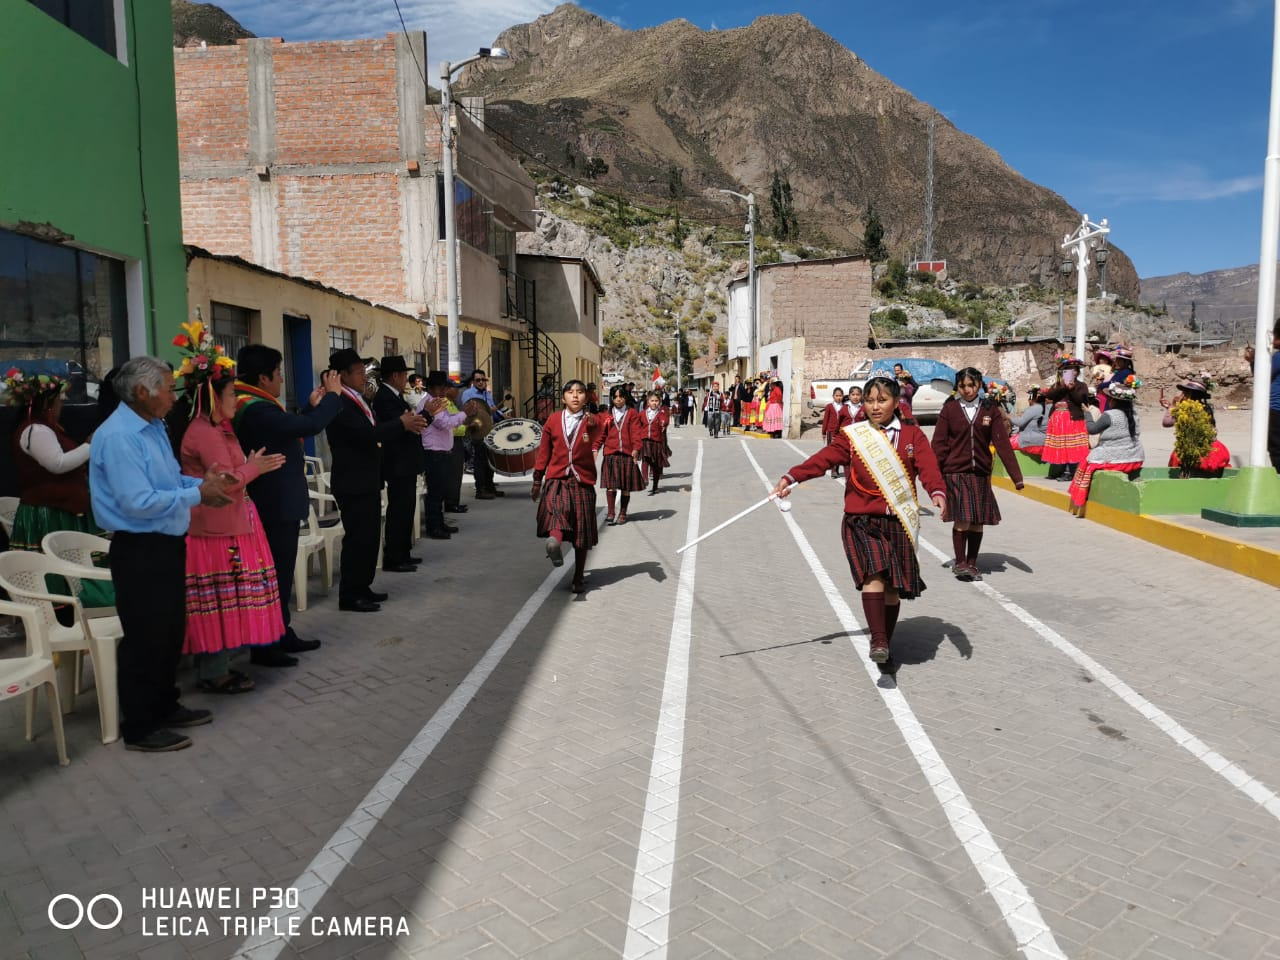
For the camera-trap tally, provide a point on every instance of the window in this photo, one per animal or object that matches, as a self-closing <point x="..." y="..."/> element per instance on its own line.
<point x="420" y="363"/>
<point x="503" y="246"/>
<point x="60" y="306"/>
<point x="390" y="346"/>
<point x="340" y="338"/>
<point x="473" y="214"/>
<point x="230" y="328"/>
<point x="467" y="351"/>
<point x="95" y="20"/>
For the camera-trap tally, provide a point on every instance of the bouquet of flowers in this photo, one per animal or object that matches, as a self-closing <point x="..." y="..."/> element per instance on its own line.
<point x="997" y="392"/>
<point x="202" y="359"/>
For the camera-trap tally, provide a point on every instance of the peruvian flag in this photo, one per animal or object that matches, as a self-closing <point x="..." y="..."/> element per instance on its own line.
<point x="657" y="375"/>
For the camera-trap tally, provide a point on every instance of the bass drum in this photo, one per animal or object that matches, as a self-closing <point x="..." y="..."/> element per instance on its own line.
<point x="513" y="446"/>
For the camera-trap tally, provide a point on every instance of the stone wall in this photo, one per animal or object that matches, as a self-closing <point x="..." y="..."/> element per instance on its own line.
<point x="827" y="302"/>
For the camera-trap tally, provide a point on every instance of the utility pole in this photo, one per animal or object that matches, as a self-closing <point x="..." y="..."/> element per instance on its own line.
<point x="928" y="199"/>
<point x="1077" y="245"/>
<point x="751" y="274"/>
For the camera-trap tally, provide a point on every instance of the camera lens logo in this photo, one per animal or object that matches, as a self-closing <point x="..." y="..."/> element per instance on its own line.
<point x="89" y="911"/>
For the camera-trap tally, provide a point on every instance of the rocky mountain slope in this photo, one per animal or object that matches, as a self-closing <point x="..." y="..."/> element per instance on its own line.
<point x="194" y="23"/>
<point x="676" y="112"/>
<point x="1225" y="301"/>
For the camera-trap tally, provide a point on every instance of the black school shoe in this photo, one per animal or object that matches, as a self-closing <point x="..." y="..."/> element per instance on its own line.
<point x="360" y="605"/>
<point x="186" y="717"/>
<point x="296" y="645"/>
<point x="375" y="596"/>
<point x="274" y="656"/>
<point x="456" y="508"/>
<point x="159" y="741"/>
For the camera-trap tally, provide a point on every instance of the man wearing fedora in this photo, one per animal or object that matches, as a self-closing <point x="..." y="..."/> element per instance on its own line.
<point x="357" y="440"/>
<point x="402" y="462"/>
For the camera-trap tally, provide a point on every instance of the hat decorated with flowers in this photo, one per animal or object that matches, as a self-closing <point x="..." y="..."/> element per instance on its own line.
<point x="1202" y="383"/>
<point x="1068" y="361"/>
<point x="202" y="359"/>
<point x="997" y="391"/>
<point x="1126" y="389"/>
<point x="25" y="390"/>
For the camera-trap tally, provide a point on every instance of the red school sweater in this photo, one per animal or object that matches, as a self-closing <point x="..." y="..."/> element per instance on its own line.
<point x="861" y="493"/>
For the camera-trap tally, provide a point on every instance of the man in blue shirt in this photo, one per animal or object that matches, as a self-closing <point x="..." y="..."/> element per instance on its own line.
<point x="1273" y="421"/>
<point x="139" y="491"/>
<point x="482" y="469"/>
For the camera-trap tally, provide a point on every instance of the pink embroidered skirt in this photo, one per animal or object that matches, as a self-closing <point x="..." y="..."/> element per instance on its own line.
<point x="233" y="598"/>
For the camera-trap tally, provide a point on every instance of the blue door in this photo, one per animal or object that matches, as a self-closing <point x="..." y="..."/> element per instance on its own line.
<point x="299" y="371"/>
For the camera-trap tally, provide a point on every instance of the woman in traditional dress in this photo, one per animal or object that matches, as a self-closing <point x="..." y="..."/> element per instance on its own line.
<point x="1119" y="443"/>
<point x="1066" y="442"/>
<point x="1031" y="426"/>
<point x="233" y="597"/>
<point x="1198" y="391"/>
<point x="53" y="475"/>
<point x="773" y="411"/>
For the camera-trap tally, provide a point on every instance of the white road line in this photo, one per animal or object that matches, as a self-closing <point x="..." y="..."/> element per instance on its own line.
<point x="1232" y="773"/>
<point x="1017" y="908"/>
<point x="345" y="844"/>
<point x="649" y="919"/>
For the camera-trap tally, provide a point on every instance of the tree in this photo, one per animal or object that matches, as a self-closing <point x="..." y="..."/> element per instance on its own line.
<point x="679" y="232"/>
<point x="1195" y="326"/>
<point x="595" y="167"/>
<point x="873" y="235"/>
<point x="782" y="207"/>
<point x="570" y="159"/>
<point x="675" y="182"/>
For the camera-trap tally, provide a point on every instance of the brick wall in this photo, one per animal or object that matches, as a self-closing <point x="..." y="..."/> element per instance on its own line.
<point x="215" y="215"/>
<point x="827" y="302"/>
<point x="213" y="107"/>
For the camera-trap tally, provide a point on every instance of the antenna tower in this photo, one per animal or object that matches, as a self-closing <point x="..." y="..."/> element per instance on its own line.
<point x="928" y="200"/>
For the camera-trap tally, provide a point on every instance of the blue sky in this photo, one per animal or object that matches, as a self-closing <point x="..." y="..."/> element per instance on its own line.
<point x="1152" y="113"/>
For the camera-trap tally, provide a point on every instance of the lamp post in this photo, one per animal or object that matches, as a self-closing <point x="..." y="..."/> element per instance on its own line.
<point x="1077" y="245"/>
<point x="447" y="70"/>
<point x="750" y="198"/>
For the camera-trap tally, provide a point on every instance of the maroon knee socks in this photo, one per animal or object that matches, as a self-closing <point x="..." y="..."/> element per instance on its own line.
<point x="975" y="543"/>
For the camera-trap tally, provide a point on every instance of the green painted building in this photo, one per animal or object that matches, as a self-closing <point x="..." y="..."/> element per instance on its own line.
<point x="92" y="267"/>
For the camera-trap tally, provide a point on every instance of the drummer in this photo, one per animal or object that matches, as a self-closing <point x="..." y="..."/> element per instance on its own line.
<point x="482" y="470"/>
<point x="437" y="446"/>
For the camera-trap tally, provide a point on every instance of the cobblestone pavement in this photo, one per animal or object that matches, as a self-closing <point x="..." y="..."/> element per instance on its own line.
<point x="476" y="764"/>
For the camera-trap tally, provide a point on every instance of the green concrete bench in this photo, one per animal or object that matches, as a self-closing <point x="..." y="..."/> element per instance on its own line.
<point x="1030" y="466"/>
<point x="1159" y="491"/>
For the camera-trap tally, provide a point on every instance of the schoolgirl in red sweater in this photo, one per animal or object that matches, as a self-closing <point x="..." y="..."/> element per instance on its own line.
<point x="620" y="468"/>
<point x="834" y="417"/>
<point x="564" y="480"/>
<point x="968" y="425"/>
<point x="654" y="452"/>
<point x="885" y="458"/>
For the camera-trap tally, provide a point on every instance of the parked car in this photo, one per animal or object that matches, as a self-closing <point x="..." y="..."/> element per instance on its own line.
<point x="612" y="378"/>
<point x="934" y="383"/>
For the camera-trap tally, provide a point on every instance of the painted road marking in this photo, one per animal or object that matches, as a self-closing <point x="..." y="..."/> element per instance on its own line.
<point x="648" y="921"/>
<point x="1235" y="775"/>
<point x="340" y="849"/>
<point x="1016" y="905"/>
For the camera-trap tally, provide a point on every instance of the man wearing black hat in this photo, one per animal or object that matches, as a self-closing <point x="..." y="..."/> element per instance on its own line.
<point x="402" y="462"/>
<point x="438" y="453"/>
<point x="357" y="440"/>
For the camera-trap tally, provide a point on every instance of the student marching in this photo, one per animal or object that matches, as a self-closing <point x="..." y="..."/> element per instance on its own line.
<point x="620" y="468"/>
<point x="654" y="451"/>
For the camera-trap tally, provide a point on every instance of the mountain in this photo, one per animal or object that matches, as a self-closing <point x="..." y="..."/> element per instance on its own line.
<point x="1225" y="301"/>
<point x="677" y="112"/>
<point x="194" y="23"/>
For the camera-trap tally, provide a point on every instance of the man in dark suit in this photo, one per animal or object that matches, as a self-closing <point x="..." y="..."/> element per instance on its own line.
<point x="356" y="440"/>
<point x="282" y="496"/>
<point x="402" y="463"/>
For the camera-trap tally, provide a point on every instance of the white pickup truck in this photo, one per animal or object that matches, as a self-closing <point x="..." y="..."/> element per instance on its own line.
<point x="934" y="383"/>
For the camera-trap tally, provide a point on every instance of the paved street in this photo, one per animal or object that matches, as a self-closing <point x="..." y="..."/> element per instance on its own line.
<point x="693" y="759"/>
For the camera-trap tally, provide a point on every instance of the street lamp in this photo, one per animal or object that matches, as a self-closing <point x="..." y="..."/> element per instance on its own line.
<point x="751" y="273"/>
<point x="447" y="70"/>
<point x="676" y="338"/>
<point x="1077" y="245"/>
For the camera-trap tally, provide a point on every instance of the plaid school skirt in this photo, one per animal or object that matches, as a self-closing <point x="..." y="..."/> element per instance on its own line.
<point x="570" y="506"/>
<point x="970" y="499"/>
<point x="654" y="452"/>
<point x="1065" y="440"/>
<point x="876" y="544"/>
<point x="619" y="472"/>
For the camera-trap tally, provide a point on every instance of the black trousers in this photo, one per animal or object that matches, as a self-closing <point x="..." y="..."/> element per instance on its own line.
<point x="149" y="571"/>
<point x="1273" y="438"/>
<point x="282" y="537"/>
<point x="362" y="526"/>
<point x="457" y="467"/>
<point x="400" y="507"/>
<point x="439" y="472"/>
<point x="481" y="468"/>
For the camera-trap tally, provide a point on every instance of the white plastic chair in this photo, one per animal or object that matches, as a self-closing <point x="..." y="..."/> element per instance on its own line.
<point x="75" y="550"/>
<point x="419" y="491"/>
<point x="309" y="545"/>
<point x="331" y="534"/>
<point x="22" y="576"/>
<point x="8" y="511"/>
<point x="26" y="675"/>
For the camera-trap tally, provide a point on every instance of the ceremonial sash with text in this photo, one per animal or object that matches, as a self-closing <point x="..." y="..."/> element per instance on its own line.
<point x="872" y="446"/>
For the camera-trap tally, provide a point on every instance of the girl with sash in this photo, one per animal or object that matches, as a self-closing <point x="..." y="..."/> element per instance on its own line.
<point x="885" y="458"/>
<point x="564" y="480"/>
<point x="967" y="428"/>
<point x="654" y="452"/>
<point x="620" y="468"/>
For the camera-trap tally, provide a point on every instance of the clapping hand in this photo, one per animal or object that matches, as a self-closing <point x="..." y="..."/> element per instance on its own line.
<point x="436" y="405"/>
<point x="412" y="422"/>
<point x="266" y="462"/>
<point x="213" y="491"/>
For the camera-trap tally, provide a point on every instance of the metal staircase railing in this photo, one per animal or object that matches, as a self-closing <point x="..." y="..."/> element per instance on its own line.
<point x="534" y="343"/>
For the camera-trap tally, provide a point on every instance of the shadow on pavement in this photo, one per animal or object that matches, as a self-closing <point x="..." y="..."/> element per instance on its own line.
<point x="917" y="639"/>
<point x="603" y="576"/>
